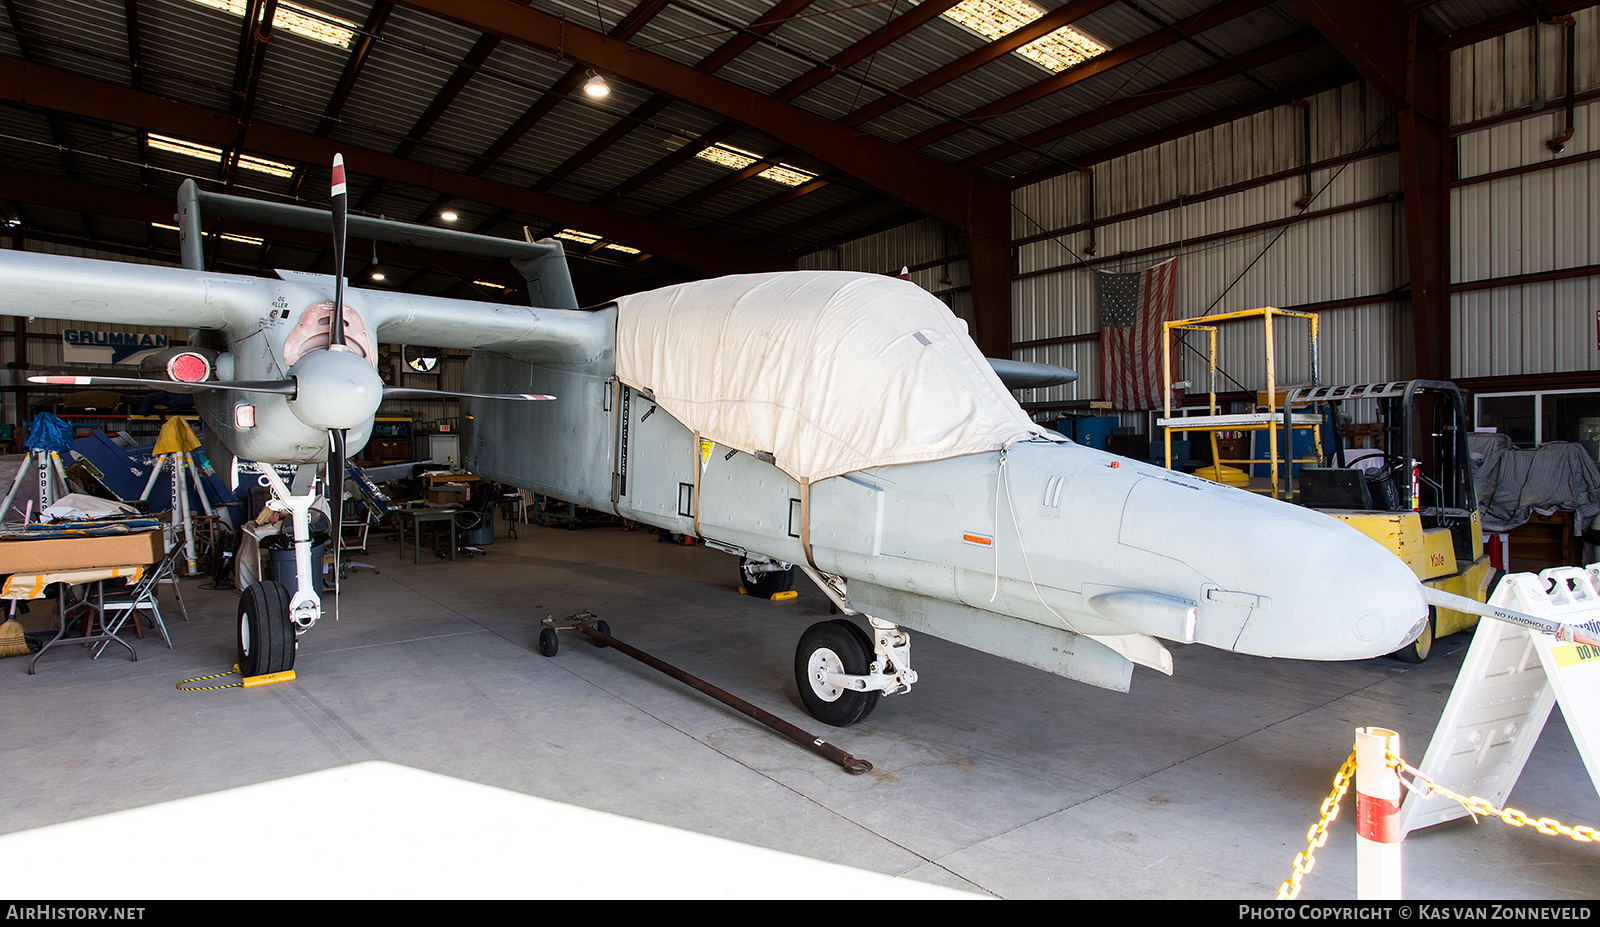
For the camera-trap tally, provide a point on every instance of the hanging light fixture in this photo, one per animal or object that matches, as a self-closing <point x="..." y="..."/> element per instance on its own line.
<point x="595" y="86"/>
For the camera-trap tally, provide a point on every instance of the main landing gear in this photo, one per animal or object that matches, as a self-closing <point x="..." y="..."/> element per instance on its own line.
<point x="843" y="673"/>
<point x="266" y="635"/>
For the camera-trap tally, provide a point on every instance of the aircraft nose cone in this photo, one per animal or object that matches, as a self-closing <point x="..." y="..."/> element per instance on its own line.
<point x="335" y="390"/>
<point x="1277" y="579"/>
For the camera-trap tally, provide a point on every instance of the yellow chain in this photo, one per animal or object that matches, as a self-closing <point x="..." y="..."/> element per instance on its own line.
<point x="1317" y="836"/>
<point x="1475" y="806"/>
<point x="183" y="687"/>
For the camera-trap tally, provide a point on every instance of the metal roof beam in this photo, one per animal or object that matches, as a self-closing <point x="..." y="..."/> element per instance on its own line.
<point x="940" y="190"/>
<point x="1194" y="80"/>
<point x="1387" y="46"/>
<point x="365" y="39"/>
<point x="1148" y="44"/>
<point x="1409" y="65"/>
<point x="57" y="193"/>
<point x="891" y="32"/>
<point x="33" y="85"/>
<point x="898" y="27"/>
<point x="447" y="94"/>
<point x="1055" y="19"/>
<point x="1199" y="124"/>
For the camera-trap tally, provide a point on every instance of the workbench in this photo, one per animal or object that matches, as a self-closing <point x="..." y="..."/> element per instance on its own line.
<point x="420" y="517"/>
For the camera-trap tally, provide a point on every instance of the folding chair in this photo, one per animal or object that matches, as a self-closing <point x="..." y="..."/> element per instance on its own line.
<point x="358" y="520"/>
<point x="140" y="597"/>
<point x="168" y="569"/>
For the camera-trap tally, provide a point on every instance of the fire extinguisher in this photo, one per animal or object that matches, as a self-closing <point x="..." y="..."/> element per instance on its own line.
<point x="1416" y="485"/>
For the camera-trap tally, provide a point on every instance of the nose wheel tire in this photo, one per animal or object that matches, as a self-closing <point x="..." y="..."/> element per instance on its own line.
<point x="841" y="647"/>
<point x="266" y="635"/>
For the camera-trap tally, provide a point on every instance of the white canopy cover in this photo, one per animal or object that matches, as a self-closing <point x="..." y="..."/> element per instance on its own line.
<point x="829" y="371"/>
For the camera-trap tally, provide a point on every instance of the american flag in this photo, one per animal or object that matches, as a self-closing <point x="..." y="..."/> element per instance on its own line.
<point x="1132" y="308"/>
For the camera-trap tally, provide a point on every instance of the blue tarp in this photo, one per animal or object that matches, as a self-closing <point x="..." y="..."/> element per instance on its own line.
<point x="49" y="433"/>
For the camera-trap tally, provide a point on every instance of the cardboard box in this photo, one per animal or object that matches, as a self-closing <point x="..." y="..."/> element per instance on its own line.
<point x="43" y="555"/>
<point x="447" y="494"/>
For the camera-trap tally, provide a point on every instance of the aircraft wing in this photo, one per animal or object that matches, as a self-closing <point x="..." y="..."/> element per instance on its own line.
<point x="75" y="289"/>
<point x="1017" y="374"/>
<point x="59" y="287"/>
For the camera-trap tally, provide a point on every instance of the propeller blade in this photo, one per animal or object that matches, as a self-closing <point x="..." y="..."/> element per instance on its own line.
<point x="280" y="387"/>
<point x="401" y="392"/>
<point x="336" y="464"/>
<point x="340" y="198"/>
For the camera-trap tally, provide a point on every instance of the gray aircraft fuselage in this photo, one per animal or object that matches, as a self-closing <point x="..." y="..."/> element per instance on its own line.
<point x="1085" y="547"/>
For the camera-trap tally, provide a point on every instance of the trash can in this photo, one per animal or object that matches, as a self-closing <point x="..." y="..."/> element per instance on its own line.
<point x="283" y="569"/>
<point x="484" y="532"/>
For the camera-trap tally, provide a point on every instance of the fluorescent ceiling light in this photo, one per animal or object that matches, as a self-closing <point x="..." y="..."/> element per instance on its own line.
<point x="226" y="236"/>
<point x="738" y="159"/>
<point x="582" y="238"/>
<point x="300" y="20"/>
<point x="995" y="19"/>
<point x="623" y="248"/>
<point x="214" y="155"/>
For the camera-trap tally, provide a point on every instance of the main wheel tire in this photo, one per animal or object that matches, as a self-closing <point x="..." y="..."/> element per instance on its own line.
<point x="1418" y="650"/>
<point x="764" y="583"/>
<point x="836" y="646"/>
<point x="266" y="635"/>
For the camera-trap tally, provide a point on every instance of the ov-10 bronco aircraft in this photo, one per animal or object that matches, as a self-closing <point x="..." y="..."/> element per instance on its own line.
<point x="840" y="424"/>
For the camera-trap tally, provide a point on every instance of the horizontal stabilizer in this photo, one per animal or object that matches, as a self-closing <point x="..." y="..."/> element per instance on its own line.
<point x="1017" y="374"/>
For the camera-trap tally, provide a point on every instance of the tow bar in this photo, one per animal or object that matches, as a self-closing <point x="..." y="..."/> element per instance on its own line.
<point x="598" y="632"/>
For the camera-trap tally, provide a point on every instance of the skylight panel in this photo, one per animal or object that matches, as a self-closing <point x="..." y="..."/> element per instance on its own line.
<point x="996" y="19"/>
<point x="738" y="159"/>
<point x="300" y="20"/>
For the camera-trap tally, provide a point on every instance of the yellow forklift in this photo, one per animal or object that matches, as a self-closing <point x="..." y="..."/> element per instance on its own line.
<point x="1414" y="493"/>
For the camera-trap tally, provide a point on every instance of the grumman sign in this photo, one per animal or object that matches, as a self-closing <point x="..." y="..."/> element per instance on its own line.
<point x="90" y="346"/>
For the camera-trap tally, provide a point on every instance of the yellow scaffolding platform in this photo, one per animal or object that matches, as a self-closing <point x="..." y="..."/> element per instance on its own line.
<point x="1271" y="420"/>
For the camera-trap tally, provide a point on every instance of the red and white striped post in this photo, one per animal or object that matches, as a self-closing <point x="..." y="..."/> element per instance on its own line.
<point x="1378" y="794"/>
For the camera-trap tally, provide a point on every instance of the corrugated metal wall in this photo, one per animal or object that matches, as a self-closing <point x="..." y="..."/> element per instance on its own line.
<point x="1522" y="208"/>
<point x="1211" y="199"/>
<point x="922" y="246"/>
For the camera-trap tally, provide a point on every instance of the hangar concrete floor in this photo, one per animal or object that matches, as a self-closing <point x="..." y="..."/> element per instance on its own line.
<point x="989" y="778"/>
